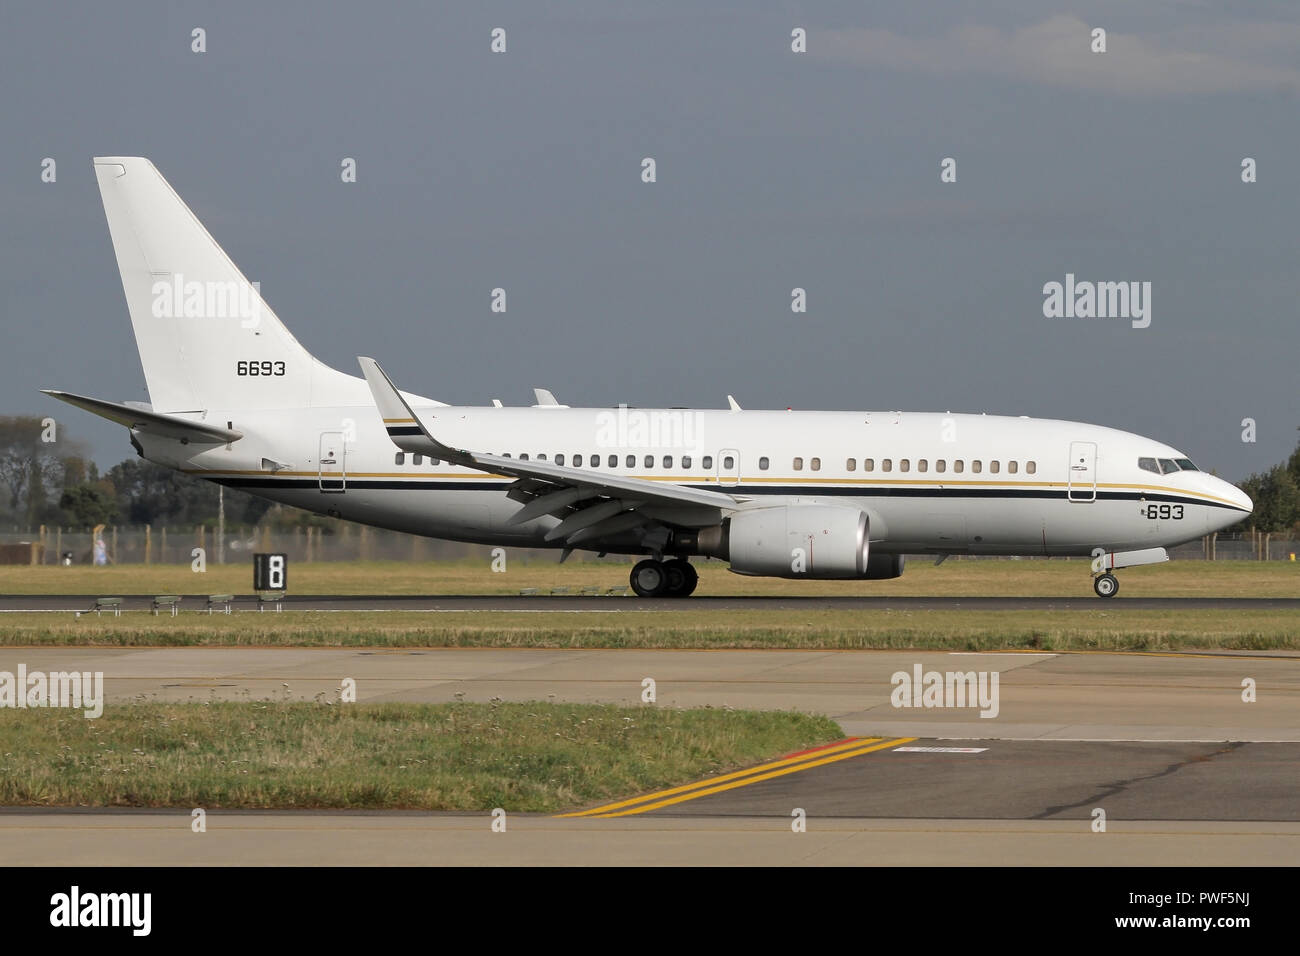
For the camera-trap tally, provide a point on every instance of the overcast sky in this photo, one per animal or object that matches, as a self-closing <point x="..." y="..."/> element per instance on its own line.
<point x="775" y="170"/>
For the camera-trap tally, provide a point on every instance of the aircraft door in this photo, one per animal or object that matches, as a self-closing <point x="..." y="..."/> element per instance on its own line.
<point x="332" y="474"/>
<point x="1082" y="481"/>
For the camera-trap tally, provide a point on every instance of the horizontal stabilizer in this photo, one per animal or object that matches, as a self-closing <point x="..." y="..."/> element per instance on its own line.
<point x="153" y="423"/>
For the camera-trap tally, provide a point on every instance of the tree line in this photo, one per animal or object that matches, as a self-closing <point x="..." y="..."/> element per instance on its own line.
<point x="54" y="483"/>
<point x="1276" y="493"/>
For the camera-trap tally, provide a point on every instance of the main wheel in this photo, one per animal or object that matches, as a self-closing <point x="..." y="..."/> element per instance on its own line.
<point x="692" y="578"/>
<point x="1107" y="585"/>
<point x="649" y="579"/>
<point x="682" y="577"/>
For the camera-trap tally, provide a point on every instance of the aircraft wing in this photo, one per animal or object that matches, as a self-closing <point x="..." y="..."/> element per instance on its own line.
<point x="144" y="420"/>
<point x="590" y="504"/>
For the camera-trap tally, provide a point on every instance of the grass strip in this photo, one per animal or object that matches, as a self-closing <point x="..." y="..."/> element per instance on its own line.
<point x="532" y="757"/>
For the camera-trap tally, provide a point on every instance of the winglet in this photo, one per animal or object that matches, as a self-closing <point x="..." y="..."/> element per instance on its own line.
<point x="403" y="425"/>
<point x="735" y="405"/>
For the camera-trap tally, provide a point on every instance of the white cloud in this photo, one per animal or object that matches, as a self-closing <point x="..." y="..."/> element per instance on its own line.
<point x="1254" y="57"/>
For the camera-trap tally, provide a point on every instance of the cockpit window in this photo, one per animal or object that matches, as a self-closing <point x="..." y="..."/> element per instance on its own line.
<point x="1186" y="464"/>
<point x="1149" y="464"/>
<point x="1167" y="466"/>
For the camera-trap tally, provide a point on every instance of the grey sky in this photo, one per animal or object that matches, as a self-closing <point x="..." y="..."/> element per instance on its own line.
<point x="775" y="170"/>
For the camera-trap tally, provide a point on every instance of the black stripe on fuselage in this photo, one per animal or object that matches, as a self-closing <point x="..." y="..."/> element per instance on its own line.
<point x="823" y="491"/>
<point x="396" y="430"/>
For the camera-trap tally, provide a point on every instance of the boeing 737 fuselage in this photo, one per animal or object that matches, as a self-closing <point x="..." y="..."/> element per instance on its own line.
<point x="796" y="494"/>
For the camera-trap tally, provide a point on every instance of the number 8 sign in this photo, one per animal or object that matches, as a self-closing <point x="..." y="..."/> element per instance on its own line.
<point x="270" y="572"/>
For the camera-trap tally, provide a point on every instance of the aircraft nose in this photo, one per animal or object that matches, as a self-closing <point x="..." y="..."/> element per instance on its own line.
<point x="1239" y="499"/>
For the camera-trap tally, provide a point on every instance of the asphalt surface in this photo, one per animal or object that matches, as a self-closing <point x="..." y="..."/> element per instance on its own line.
<point x="1031" y="780"/>
<point x="165" y="838"/>
<point x="506" y="602"/>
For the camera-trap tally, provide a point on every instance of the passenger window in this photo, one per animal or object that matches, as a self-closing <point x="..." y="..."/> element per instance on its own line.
<point x="868" y="464"/>
<point x="959" y="466"/>
<point x="1031" y="467"/>
<point x="559" y="459"/>
<point x="798" y="464"/>
<point x="577" y="461"/>
<point x="595" y="461"/>
<point x="630" y="461"/>
<point x="816" y="464"/>
<point x="976" y="466"/>
<point x="613" y="461"/>
<point x="1012" y="467"/>
<point x="941" y="465"/>
<point x="435" y="461"/>
<point x="523" y="456"/>
<point x="762" y="463"/>
<point x="887" y="465"/>
<point x="728" y="462"/>
<point x="922" y="465"/>
<point x="686" y="461"/>
<point x="708" y="462"/>
<point x="668" y="461"/>
<point x="649" y="461"/>
<point x="1149" y="464"/>
<point x="541" y="458"/>
<point x="399" y="458"/>
<point x="905" y="464"/>
<point x="994" y="466"/>
<point x="850" y="465"/>
<point x="417" y="460"/>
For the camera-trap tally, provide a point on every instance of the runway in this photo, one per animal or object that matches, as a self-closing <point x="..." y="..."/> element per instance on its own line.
<point x="1061" y="696"/>
<point x="605" y="603"/>
<point x="1185" y="770"/>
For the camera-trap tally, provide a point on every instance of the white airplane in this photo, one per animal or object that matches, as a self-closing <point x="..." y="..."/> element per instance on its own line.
<point x="235" y="399"/>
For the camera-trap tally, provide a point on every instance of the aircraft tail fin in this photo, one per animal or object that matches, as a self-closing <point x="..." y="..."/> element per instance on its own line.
<point x="206" y="337"/>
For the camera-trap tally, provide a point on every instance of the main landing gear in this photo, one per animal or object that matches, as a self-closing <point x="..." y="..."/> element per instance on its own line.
<point x="672" y="578"/>
<point x="1106" y="585"/>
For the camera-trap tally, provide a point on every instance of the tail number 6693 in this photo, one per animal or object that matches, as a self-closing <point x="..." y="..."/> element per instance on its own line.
<point x="259" y="368"/>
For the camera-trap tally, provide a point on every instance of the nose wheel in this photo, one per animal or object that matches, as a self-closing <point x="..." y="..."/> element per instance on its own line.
<point x="1106" y="585"/>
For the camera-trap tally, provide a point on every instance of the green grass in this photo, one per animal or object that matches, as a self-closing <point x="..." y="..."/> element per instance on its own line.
<point x="1108" y="627"/>
<point x="523" y="757"/>
<point x="1055" y="578"/>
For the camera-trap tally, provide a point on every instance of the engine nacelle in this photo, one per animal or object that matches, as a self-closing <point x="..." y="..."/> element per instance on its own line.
<point x="799" y="541"/>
